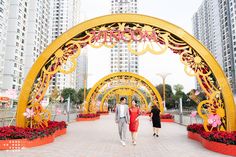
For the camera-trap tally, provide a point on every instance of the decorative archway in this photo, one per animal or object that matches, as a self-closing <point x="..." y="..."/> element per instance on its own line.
<point x="157" y="36"/>
<point x="126" y="90"/>
<point x="121" y="79"/>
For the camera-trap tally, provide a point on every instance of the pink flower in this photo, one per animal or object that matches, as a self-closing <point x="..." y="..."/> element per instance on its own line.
<point x="29" y="113"/>
<point x="193" y="114"/>
<point x="214" y="120"/>
<point x="197" y="92"/>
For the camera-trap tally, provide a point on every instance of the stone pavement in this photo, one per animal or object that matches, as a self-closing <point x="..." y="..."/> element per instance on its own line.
<point x="100" y="139"/>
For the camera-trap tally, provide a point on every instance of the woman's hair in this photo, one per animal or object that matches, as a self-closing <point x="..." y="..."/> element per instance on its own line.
<point x="154" y="107"/>
<point x="135" y="101"/>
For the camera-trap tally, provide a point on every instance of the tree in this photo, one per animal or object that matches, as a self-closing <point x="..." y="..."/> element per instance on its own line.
<point x="179" y="94"/>
<point x="80" y="95"/>
<point x="69" y="92"/>
<point x="170" y="102"/>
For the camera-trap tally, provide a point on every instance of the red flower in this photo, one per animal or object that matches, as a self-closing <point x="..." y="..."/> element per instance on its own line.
<point x="13" y="132"/>
<point x="217" y="136"/>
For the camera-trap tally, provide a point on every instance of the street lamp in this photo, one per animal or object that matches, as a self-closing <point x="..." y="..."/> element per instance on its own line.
<point x="163" y="76"/>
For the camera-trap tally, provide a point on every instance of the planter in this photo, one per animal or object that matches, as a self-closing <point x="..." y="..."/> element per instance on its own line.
<point x="87" y="119"/>
<point x="168" y="120"/>
<point x="60" y="132"/>
<point x="103" y="114"/>
<point x="39" y="141"/>
<point x="214" y="146"/>
<point x="12" y="144"/>
<point x="25" y="143"/>
<point x="194" y="136"/>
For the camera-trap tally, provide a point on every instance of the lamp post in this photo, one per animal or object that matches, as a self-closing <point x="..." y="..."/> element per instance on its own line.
<point x="163" y="76"/>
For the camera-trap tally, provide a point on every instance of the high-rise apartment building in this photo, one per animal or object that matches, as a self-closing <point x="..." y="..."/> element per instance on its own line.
<point x="37" y="33"/>
<point x="214" y="25"/>
<point x="64" y="15"/>
<point x="121" y="59"/>
<point x="82" y="69"/>
<point x="4" y="10"/>
<point x="13" y="72"/>
<point x="227" y="9"/>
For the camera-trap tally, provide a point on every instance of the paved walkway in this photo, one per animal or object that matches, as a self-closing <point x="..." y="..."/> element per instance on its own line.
<point x="100" y="139"/>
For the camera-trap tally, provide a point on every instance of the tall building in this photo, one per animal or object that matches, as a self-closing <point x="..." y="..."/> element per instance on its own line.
<point x="82" y="69"/>
<point x="37" y="33"/>
<point x="228" y="34"/>
<point x="121" y="59"/>
<point x="4" y="10"/>
<point x="15" y="47"/>
<point x="206" y="28"/>
<point x="64" y="15"/>
<point x="214" y="25"/>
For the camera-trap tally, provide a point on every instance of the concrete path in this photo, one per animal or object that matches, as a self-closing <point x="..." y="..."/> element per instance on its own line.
<point x="100" y="139"/>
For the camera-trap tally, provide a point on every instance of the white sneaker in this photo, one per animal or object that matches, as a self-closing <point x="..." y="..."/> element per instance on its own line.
<point x="123" y="143"/>
<point x="134" y="143"/>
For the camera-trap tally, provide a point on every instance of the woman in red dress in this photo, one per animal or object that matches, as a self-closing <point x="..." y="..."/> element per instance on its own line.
<point x="134" y="113"/>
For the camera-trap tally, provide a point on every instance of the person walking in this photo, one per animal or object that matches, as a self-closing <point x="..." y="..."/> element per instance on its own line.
<point x="122" y="118"/>
<point x="155" y="118"/>
<point x="134" y="120"/>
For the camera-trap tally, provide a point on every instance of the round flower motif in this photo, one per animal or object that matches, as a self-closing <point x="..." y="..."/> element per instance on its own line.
<point x="195" y="63"/>
<point x="214" y="120"/>
<point x="221" y="112"/>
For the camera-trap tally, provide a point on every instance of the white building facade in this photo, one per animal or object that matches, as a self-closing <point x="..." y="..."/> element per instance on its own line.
<point x="4" y="11"/>
<point x="121" y="59"/>
<point x="228" y="28"/>
<point x="214" y="25"/>
<point x="37" y="33"/>
<point x="64" y="15"/>
<point x="13" y="73"/>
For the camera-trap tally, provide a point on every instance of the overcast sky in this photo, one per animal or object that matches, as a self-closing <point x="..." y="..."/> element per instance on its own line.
<point x="178" y="12"/>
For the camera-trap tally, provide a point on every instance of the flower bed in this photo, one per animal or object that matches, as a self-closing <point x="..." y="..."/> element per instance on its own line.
<point x="13" y="137"/>
<point x="146" y="113"/>
<point x="167" y="117"/>
<point x="218" y="141"/>
<point x="103" y="112"/>
<point x="88" y="117"/>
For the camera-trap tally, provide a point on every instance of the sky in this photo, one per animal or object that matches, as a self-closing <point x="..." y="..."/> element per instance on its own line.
<point x="177" y="12"/>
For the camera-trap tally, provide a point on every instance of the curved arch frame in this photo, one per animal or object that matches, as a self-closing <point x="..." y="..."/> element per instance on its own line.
<point x="123" y="87"/>
<point x="55" y="46"/>
<point x="98" y="86"/>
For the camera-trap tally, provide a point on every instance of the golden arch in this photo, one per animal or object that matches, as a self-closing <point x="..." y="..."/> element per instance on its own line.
<point x="140" y="94"/>
<point x="128" y="78"/>
<point x="197" y="59"/>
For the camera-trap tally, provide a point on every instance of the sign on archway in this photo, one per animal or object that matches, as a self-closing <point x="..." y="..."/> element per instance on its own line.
<point x="155" y="36"/>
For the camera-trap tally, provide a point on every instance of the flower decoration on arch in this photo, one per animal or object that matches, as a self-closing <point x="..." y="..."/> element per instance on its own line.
<point x="67" y="54"/>
<point x="194" y="64"/>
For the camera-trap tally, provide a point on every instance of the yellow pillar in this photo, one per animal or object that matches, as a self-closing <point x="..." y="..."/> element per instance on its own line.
<point x="129" y="100"/>
<point x="117" y="98"/>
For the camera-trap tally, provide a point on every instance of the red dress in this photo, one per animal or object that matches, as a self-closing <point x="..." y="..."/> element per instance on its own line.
<point x="134" y="112"/>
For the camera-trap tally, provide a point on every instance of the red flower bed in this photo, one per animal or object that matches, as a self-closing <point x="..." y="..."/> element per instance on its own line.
<point x="102" y="112"/>
<point x="167" y="116"/>
<point x="228" y="138"/>
<point x="13" y="132"/>
<point x="89" y="115"/>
